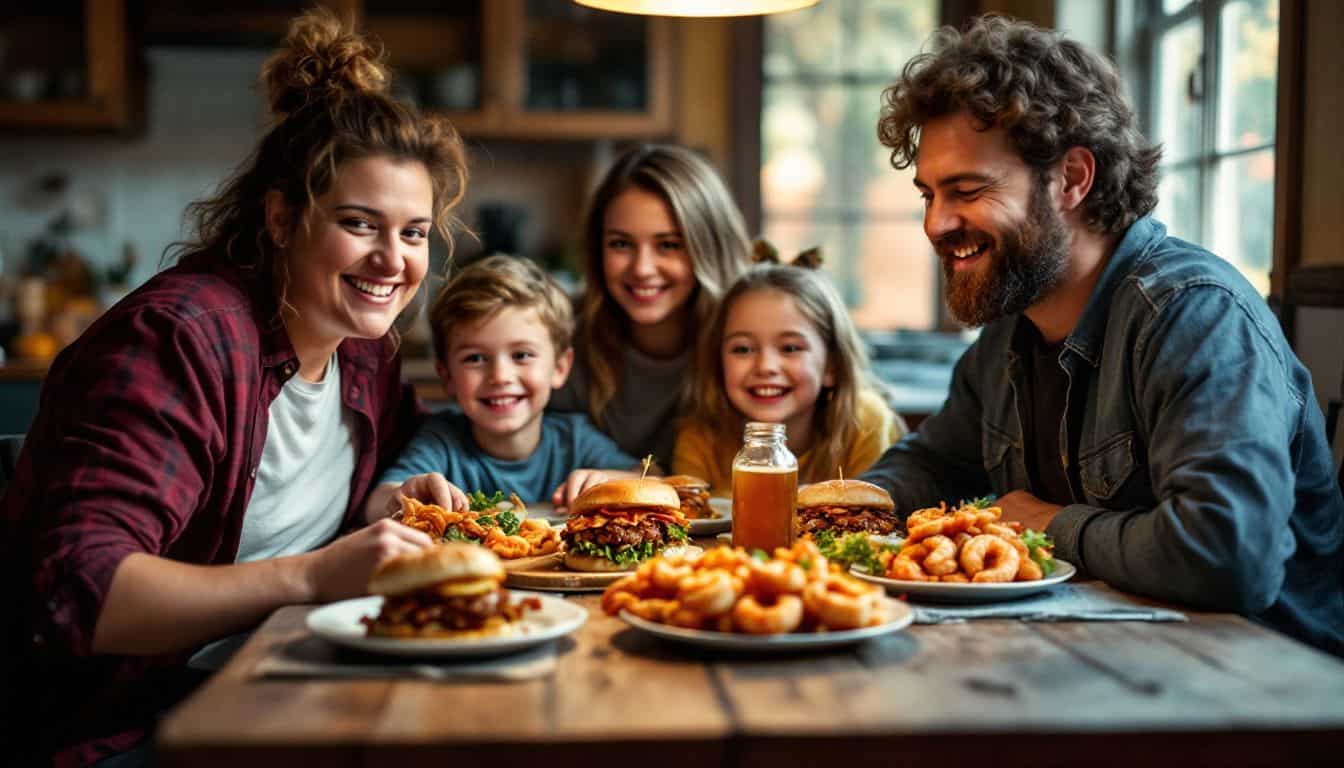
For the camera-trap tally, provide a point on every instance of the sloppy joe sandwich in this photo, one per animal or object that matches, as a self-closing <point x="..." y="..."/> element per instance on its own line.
<point x="694" y="494"/>
<point x="845" y="506"/>
<point x="449" y="590"/>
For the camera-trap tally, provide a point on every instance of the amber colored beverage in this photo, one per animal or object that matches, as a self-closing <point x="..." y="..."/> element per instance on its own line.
<point x="763" y="507"/>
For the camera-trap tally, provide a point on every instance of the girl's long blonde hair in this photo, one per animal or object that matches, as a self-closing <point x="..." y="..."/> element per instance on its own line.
<point x="835" y="420"/>
<point x="716" y="241"/>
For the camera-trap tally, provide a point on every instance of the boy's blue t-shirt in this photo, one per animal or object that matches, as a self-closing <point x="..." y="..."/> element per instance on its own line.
<point x="568" y="442"/>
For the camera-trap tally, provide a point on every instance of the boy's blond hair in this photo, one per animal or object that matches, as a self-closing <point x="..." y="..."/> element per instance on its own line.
<point x="493" y="283"/>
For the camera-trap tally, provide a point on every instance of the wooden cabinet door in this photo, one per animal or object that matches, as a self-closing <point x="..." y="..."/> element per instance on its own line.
<point x="557" y="69"/>
<point x="65" y="65"/>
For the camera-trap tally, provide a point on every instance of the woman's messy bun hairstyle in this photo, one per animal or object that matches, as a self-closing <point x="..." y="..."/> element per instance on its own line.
<point x="328" y="89"/>
<point x="321" y="60"/>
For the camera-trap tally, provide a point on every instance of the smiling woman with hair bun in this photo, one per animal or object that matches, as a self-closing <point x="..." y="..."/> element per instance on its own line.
<point x="200" y="449"/>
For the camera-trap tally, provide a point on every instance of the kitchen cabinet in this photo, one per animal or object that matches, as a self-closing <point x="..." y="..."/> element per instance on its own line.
<point x="530" y="69"/>
<point x="65" y="64"/>
<point x="511" y="69"/>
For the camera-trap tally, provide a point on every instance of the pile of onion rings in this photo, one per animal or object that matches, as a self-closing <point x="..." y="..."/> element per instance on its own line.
<point x="534" y="537"/>
<point x="970" y="544"/>
<point x="728" y="590"/>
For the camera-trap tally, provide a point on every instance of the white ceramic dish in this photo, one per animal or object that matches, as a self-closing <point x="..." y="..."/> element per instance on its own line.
<point x="339" y="623"/>
<point x="949" y="592"/>
<point x="901" y="616"/>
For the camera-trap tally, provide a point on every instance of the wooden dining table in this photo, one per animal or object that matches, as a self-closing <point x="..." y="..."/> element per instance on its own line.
<point x="1216" y="690"/>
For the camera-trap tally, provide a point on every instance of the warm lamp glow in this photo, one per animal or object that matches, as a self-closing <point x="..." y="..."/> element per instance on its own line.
<point x="698" y="7"/>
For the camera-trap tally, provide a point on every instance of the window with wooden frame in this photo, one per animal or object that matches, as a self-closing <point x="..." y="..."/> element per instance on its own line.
<point x="1203" y="74"/>
<point x="824" y="177"/>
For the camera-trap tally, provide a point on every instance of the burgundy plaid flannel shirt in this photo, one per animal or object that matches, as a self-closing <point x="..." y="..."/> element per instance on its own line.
<point x="148" y="437"/>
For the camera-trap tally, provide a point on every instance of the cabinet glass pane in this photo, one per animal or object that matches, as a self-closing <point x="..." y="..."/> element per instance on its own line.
<point x="1243" y="214"/>
<point x="42" y="51"/>
<point x="434" y="49"/>
<point x="1180" y="90"/>
<point x="1247" y="73"/>
<point x="578" y="58"/>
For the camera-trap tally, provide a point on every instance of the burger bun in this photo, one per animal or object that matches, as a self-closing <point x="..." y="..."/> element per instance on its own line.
<point x="448" y="562"/>
<point x="845" y="493"/>
<point x="626" y="493"/>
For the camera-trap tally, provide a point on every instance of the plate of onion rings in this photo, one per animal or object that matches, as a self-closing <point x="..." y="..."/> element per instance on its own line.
<point x="900" y="616"/>
<point x="956" y="592"/>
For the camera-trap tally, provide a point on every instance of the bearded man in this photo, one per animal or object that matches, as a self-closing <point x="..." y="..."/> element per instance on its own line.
<point x="1130" y="394"/>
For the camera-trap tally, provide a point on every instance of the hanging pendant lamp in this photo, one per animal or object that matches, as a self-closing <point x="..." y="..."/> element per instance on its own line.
<point x="698" y="7"/>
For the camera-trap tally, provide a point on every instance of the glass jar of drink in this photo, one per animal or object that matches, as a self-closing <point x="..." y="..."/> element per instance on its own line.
<point x="765" y="488"/>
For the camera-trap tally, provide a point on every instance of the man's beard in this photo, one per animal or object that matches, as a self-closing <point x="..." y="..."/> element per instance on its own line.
<point x="1028" y="261"/>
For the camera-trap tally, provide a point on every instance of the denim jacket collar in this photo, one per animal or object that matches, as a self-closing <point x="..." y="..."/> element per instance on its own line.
<point x="1088" y="336"/>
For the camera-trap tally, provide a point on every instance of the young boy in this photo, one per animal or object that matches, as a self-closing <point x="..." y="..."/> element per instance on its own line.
<point x="502" y="341"/>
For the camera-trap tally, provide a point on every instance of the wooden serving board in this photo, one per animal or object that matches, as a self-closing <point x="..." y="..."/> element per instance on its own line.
<point x="548" y="573"/>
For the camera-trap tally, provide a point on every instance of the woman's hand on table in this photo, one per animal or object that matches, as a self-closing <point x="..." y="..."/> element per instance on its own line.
<point x="342" y="569"/>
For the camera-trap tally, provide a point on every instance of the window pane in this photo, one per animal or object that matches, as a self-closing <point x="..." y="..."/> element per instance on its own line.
<point x="1178" y="90"/>
<point x="1243" y="214"/>
<point x="819" y="148"/>
<point x="1172" y="6"/>
<point x="1247" y="72"/>
<point x="884" y="269"/>
<point x="1178" y="203"/>
<point x="802" y="166"/>
<point x="888" y="33"/>
<point x="807" y="41"/>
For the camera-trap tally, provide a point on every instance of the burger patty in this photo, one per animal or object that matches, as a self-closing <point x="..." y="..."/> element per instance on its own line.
<point x="620" y="534"/>
<point x="844" y="519"/>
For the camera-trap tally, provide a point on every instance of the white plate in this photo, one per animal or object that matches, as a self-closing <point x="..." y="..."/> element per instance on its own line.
<point x="700" y="527"/>
<point x="787" y="643"/>
<point x="339" y="623"/>
<point x="950" y="592"/>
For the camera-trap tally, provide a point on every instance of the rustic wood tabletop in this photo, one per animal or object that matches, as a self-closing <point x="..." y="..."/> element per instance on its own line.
<point x="1217" y="690"/>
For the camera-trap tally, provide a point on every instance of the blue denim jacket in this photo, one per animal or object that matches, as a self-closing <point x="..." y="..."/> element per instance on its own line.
<point x="1204" y="474"/>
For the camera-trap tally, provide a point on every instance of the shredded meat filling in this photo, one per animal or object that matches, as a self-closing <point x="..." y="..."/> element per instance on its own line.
<point x="621" y="534"/>
<point x="844" y="519"/>
<point x="426" y="608"/>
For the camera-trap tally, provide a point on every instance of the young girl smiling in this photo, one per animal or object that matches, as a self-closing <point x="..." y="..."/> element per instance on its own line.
<point x="664" y="240"/>
<point x="782" y="348"/>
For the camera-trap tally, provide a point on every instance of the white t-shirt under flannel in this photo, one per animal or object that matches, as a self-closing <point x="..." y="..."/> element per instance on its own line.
<point x="303" y="483"/>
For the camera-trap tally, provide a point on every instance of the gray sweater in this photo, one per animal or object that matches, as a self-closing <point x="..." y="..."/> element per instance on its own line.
<point x="642" y="417"/>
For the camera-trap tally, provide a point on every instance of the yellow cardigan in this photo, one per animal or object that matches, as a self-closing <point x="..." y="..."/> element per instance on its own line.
<point x="701" y="452"/>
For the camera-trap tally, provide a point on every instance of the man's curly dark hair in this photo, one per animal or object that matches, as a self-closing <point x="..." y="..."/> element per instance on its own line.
<point x="1049" y="93"/>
